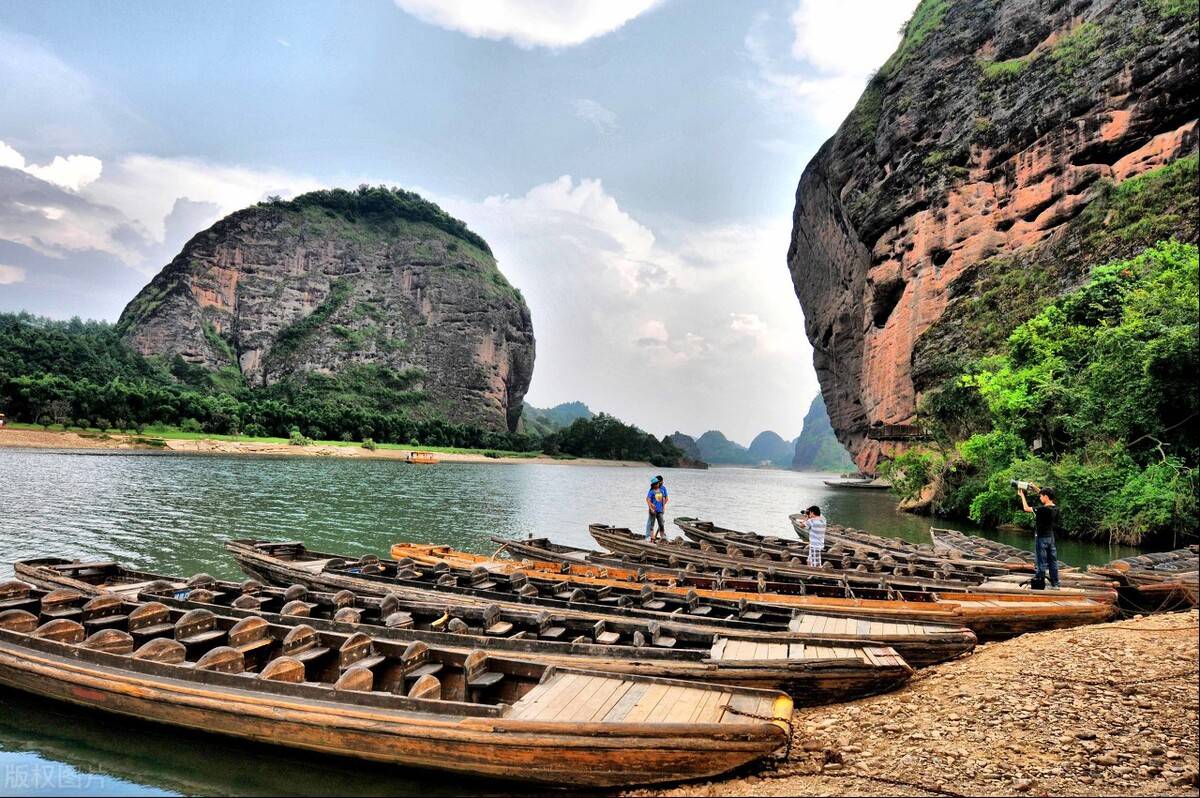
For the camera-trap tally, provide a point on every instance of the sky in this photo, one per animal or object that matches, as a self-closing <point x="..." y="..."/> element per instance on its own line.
<point x="632" y="163"/>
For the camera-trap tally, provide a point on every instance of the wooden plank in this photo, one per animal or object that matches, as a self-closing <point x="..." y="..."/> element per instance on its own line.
<point x="539" y="696"/>
<point x="677" y="706"/>
<point x="646" y="704"/>
<point x="777" y="651"/>
<point x="624" y="687"/>
<point x="626" y="703"/>
<point x="709" y="708"/>
<point x="586" y="708"/>
<point x="760" y="650"/>
<point x="876" y="629"/>
<point x="796" y="651"/>
<point x="863" y="628"/>
<point x="718" y="648"/>
<point x="565" y="708"/>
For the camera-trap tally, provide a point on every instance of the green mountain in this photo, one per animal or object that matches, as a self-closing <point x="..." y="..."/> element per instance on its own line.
<point x="769" y="447"/>
<point x="817" y="448"/>
<point x="539" y="421"/>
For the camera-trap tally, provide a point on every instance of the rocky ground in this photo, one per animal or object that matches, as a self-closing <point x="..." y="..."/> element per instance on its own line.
<point x="1109" y="709"/>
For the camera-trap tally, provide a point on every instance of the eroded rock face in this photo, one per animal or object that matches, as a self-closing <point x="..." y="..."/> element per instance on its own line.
<point x="284" y="290"/>
<point x="988" y="132"/>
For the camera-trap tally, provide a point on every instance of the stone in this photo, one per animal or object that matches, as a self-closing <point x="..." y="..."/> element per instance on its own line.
<point x="282" y="291"/>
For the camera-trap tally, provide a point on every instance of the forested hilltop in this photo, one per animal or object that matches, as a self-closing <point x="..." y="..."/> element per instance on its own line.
<point x="82" y="374"/>
<point x="996" y="259"/>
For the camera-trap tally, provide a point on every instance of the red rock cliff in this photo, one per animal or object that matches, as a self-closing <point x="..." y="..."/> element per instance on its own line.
<point x="987" y="134"/>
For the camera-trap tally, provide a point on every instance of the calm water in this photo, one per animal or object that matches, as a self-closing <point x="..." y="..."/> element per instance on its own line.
<point x="170" y="513"/>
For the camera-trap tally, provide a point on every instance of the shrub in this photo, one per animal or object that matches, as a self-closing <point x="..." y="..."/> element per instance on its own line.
<point x="190" y="425"/>
<point x="297" y="438"/>
<point x="369" y="444"/>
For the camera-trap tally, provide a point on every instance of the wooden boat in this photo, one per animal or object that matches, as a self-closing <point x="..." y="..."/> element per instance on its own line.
<point x="355" y="695"/>
<point x="1156" y="581"/>
<point x="781" y="559"/>
<point x="421" y="458"/>
<point x="857" y="484"/>
<point x="951" y="542"/>
<point x="814" y="672"/>
<point x="988" y="615"/>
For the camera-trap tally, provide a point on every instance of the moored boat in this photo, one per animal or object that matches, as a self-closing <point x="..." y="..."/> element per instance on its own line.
<point x="815" y="671"/>
<point x="410" y="704"/>
<point x="988" y="615"/>
<point x="1156" y="581"/>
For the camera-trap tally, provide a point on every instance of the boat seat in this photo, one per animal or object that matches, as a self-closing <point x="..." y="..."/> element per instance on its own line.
<point x="492" y="624"/>
<point x="649" y="601"/>
<point x="283" y="669"/>
<point x="343" y="598"/>
<point x="62" y="630"/>
<point x="703" y="609"/>
<point x="477" y="676"/>
<point x="201" y="580"/>
<point x="18" y="621"/>
<point x="661" y="637"/>
<point x="15" y="595"/>
<point x="297" y="608"/>
<point x="528" y="591"/>
<point x="398" y="620"/>
<point x="348" y="615"/>
<point x="427" y="687"/>
<point x="247" y="602"/>
<point x="151" y="619"/>
<point x="252" y="587"/>
<point x="222" y="659"/>
<point x="457" y="626"/>
<point x="197" y="628"/>
<point x="103" y="612"/>
<point x="356" y="678"/>
<point x="249" y="635"/>
<point x="547" y="629"/>
<point x="415" y="662"/>
<point x="110" y="641"/>
<point x="303" y="644"/>
<point x="518" y="580"/>
<point x="162" y="649"/>
<point x="202" y="595"/>
<point x="602" y="592"/>
<point x="389" y="604"/>
<point x="359" y="650"/>
<point x="447" y="580"/>
<point x="61" y="603"/>
<point x="294" y="592"/>
<point x="370" y="568"/>
<point x="603" y="636"/>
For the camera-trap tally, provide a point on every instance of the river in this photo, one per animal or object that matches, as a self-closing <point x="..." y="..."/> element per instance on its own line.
<point x="170" y="513"/>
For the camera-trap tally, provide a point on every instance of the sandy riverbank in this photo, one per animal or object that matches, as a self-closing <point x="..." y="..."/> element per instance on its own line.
<point x="1109" y="709"/>
<point x="56" y="439"/>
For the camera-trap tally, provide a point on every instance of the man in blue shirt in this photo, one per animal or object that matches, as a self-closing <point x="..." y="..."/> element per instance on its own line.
<point x="656" y="502"/>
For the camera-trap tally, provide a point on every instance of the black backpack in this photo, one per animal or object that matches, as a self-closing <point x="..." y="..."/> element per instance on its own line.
<point x="1038" y="582"/>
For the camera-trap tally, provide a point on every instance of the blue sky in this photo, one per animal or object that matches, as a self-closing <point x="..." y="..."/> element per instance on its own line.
<point x="632" y="162"/>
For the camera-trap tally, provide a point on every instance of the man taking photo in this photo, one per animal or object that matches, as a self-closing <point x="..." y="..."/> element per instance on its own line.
<point x="1045" y="519"/>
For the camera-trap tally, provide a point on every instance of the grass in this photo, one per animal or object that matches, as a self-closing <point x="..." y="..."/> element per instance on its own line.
<point x="156" y="435"/>
<point x="925" y="19"/>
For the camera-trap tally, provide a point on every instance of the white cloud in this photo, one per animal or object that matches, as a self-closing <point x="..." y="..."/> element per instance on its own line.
<point x="75" y="203"/>
<point x="11" y="274"/>
<point x="835" y="47"/>
<point x="604" y="120"/>
<point x="529" y="23"/>
<point x="655" y="326"/>
<point x="72" y="172"/>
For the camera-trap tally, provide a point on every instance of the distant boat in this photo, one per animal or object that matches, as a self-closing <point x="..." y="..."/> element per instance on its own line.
<point x="421" y="458"/>
<point x="865" y="483"/>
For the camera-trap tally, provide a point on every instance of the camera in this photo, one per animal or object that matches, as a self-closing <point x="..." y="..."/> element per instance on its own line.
<point x="1020" y="485"/>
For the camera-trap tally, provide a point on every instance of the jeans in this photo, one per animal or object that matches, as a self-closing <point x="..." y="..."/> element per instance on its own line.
<point x="651" y="516"/>
<point x="1047" y="557"/>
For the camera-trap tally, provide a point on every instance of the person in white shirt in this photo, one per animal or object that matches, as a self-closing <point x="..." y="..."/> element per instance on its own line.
<point x="815" y="524"/>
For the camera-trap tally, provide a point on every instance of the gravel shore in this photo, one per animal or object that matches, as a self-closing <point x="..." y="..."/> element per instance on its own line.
<point x="1109" y="709"/>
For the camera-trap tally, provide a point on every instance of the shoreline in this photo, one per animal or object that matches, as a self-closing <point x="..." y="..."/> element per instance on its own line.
<point x="11" y="438"/>
<point x="1106" y="709"/>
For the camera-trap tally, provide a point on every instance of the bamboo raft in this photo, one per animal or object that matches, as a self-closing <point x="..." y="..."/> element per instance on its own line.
<point x="920" y="640"/>
<point x="814" y="671"/>
<point x="988" y="616"/>
<point x="355" y="695"/>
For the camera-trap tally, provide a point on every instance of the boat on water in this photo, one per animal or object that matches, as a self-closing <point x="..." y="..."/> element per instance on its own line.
<point x="352" y="694"/>
<point x="814" y="671"/>
<point x="987" y="615"/>
<point x="855" y="483"/>
<point x="421" y="458"/>
<point x="951" y="542"/>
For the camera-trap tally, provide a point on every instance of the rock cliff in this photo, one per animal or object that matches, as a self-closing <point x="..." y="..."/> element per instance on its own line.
<point x="337" y="280"/>
<point x="987" y="145"/>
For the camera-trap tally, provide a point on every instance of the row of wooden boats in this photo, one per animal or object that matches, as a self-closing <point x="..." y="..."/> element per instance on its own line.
<point x="638" y="664"/>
